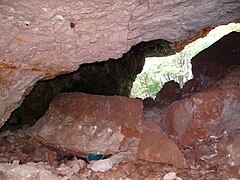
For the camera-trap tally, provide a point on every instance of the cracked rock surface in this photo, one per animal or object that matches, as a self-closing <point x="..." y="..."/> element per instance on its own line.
<point x="82" y="123"/>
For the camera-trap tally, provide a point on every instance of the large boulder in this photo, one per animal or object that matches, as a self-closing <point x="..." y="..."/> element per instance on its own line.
<point x="155" y="146"/>
<point x="169" y="93"/>
<point x="207" y="113"/>
<point x="43" y="39"/>
<point x="218" y="60"/>
<point x="80" y="123"/>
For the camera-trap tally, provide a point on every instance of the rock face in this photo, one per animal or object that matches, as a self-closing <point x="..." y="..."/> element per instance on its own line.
<point x="79" y="124"/>
<point x="204" y="114"/>
<point x="55" y="37"/>
<point x="207" y="113"/>
<point x="216" y="108"/>
<point x="169" y="93"/>
<point x="82" y="124"/>
<point x="214" y="63"/>
<point x="218" y="60"/>
<point x="155" y="146"/>
<point x="112" y="77"/>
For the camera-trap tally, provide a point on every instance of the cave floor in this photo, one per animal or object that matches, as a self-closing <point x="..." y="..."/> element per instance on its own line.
<point x="23" y="158"/>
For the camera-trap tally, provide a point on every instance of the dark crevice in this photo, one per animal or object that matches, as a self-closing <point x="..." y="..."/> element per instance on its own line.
<point x="112" y="77"/>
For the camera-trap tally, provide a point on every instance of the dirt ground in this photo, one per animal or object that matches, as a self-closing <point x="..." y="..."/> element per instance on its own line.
<point x="23" y="158"/>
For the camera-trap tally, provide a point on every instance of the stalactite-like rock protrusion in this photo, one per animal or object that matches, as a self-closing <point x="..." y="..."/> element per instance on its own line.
<point x="42" y="39"/>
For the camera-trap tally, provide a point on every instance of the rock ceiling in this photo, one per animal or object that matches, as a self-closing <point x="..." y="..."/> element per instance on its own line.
<point x="42" y="39"/>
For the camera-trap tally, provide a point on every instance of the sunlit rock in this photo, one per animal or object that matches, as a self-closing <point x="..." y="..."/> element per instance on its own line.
<point x="102" y="165"/>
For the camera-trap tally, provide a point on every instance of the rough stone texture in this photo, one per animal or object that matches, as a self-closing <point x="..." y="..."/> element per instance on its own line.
<point x="12" y="84"/>
<point x="215" y="162"/>
<point x="169" y="93"/>
<point x="155" y="146"/>
<point x="216" y="107"/>
<point x="207" y="113"/>
<point x="39" y="171"/>
<point x="218" y="60"/>
<point x="112" y="77"/>
<point x="82" y="123"/>
<point x="214" y="63"/>
<point x="232" y="149"/>
<point x="79" y="123"/>
<point x="42" y="39"/>
<point x="220" y="150"/>
<point x="102" y="165"/>
<point x="18" y="146"/>
<point x="127" y="171"/>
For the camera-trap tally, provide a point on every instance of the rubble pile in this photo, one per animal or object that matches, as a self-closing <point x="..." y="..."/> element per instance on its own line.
<point x="100" y="137"/>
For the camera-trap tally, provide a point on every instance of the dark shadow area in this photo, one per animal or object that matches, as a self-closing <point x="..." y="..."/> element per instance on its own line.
<point x="112" y="77"/>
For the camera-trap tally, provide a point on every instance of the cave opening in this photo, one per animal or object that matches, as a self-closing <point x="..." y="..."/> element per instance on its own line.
<point x="111" y="77"/>
<point x="177" y="67"/>
<point x="131" y="76"/>
<point x="195" y="127"/>
<point x="86" y="125"/>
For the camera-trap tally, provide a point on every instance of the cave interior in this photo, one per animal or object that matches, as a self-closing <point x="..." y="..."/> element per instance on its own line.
<point x="214" y="69"/>
<point x="79" y="122"/>
<point x="115" y="77"/>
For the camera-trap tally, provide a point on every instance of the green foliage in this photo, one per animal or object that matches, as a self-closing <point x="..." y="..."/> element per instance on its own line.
<point x="157" y="71"/>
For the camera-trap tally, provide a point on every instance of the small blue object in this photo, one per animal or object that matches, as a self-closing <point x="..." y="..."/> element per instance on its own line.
<point x="94" y="157"/>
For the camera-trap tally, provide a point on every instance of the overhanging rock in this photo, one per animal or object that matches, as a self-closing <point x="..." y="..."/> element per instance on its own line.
<point x="42" y="39"/>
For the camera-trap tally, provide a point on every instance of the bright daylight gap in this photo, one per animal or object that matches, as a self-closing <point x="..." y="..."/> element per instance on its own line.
<point x="177" y="67"/>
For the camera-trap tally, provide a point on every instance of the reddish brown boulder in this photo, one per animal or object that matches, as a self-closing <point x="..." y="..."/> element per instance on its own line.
<point x="206" y="113"/>
<point x="149" y="103"/>
<point x="110" y="108"/>
<point x="79" y="123"/>
<point x="169" y="93"/>
<point x="190" y="87"/>
<point x="82" y="123"/>
<point x="155" y="146"/>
